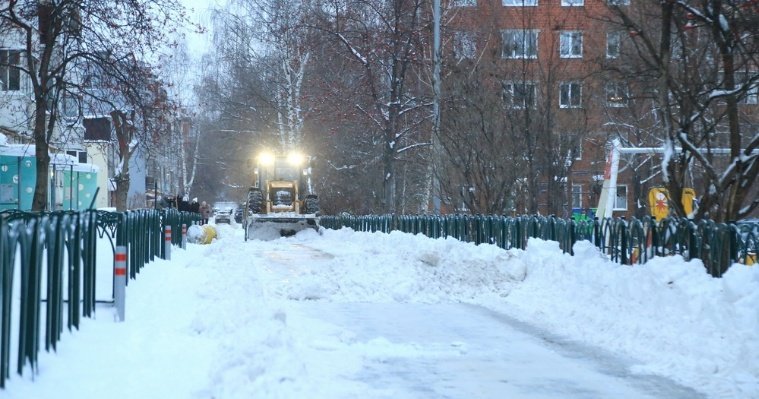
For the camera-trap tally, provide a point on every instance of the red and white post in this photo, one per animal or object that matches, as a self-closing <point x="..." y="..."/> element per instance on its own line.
<point x="184" y="236"/>
<point x="167" y="242"/>
<point x="119" y="281"/>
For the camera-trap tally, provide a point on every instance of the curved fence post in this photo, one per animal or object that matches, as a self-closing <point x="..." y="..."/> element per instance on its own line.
<point x="89" y="262"/>
<point x="7" y="253"/>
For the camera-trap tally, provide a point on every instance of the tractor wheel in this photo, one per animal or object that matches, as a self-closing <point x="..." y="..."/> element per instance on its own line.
<point x="311" y="204"/>
<point x="255" y="200"/>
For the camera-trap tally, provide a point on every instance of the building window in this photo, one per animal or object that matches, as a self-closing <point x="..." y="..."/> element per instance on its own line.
<point x="519" y="94"/>
<point x="576" y="147"/>
<point x="97" y="129"/>
<point x="613" y="42"/>
<point x="519" y="43"/>
<point x="10" y="74"/>
<point x="619" y="2"/>
<point x="464" y="3"/>
<point x="620" y="200"/>
<point x="570" y="44"/>
<point x="570" y="95"/>
<point x="572" y="3"/>
<point x="520" y="3"/>
<point x="572" y="145"/>
<point x="81" y="156"/>
<point x="464" y="45"/>
<point x="577" y="196"/>
<point x="616" y="94"/>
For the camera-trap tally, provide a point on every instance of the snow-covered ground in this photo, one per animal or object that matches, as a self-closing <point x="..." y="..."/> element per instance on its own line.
<point x="371" y="315"/>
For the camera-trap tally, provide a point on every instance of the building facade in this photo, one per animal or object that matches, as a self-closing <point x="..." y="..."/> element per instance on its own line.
<point x="563" y="68"/>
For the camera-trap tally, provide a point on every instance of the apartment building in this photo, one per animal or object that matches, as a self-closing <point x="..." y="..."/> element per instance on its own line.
<point x="560" y="65"/>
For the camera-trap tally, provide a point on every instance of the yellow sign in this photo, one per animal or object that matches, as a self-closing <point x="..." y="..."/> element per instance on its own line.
<point x="658" y="201"/>
<point x="688" y="199"/>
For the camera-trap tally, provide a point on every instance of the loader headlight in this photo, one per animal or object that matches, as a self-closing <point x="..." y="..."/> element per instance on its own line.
<point x="295" y="159"/>
<point x="266" y="158"/>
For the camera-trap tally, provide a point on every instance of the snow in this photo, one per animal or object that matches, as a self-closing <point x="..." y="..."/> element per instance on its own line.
<point x="669" y="153"/>
<point x="345" y="314"/>
<point x="18" y="150"/>
<point x="723" y="24"/>
<point x="724" y="93"/>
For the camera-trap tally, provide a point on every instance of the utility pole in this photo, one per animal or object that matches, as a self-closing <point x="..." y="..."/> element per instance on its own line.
<point x="436" y="196"/>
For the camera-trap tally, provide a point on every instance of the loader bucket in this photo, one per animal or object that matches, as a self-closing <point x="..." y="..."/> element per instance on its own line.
<point x="272" y="227"/>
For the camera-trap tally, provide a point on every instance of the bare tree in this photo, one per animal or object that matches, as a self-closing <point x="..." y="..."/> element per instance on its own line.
<point x="237" y="100"/>
<point x="177" y="68"/>
<point x="136" y="102"/>
<point x="702" y="60"/>
<point x="270" y="38"/>
<point x="384" y="42"/>
<point x="479" y="169"/>
<point x="58" y="34"/>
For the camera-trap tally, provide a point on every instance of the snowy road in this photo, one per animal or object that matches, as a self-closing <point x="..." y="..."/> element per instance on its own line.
<point x="451" y="350"/>
<point x="463" y="351"/>
<point x="349" y="315"/>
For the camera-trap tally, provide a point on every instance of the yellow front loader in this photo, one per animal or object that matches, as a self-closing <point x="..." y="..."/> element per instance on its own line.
<point x="281" y="197"/>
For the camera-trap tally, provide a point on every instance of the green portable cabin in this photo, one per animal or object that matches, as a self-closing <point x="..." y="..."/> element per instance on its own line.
<point x="79" y="185"/>
<point x="72" y="184"/>
<point x="18" y="174"/>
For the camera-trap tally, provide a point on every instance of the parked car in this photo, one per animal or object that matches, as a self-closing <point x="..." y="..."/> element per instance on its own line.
<point x="223" y="212"/>
<point x="222" y="216"/>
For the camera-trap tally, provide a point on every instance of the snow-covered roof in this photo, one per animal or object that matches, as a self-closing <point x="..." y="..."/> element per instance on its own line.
<point x="59" y="160"/>
<point x="17" y="150"/>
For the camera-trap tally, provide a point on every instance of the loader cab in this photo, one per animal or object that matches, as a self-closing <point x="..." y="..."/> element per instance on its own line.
<point x="283" y="182"/>
<point x="293" y="167"/>
<point x="284" y="171"/>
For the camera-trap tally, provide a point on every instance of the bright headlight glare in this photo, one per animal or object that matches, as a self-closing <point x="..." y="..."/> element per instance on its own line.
<point x="266" y="158"/>
<point x="295" y="158"/>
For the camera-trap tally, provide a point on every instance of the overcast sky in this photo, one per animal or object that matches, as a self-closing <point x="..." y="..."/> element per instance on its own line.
<point x="199" y="12"/>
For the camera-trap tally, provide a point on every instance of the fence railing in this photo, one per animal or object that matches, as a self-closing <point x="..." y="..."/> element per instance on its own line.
<point x="56" y="255"/>
<point x="718" y="245"/>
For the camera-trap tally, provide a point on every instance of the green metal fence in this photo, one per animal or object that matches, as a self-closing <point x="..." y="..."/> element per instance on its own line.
<point x="62" y="248"/>
<point x="718" y="245"/>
